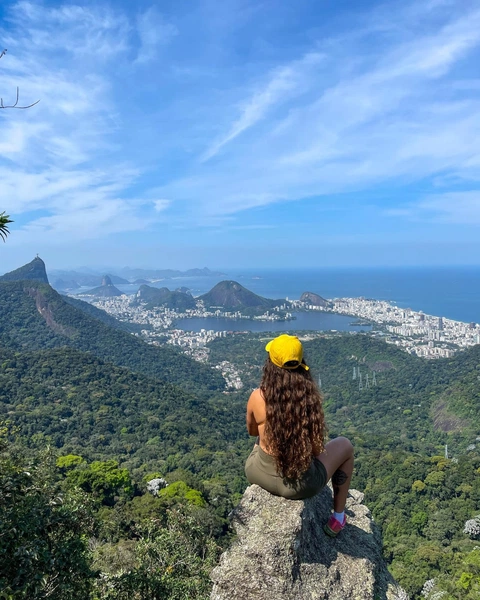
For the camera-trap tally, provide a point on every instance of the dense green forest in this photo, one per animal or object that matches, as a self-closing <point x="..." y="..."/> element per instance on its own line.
<point x="96" y="422"/>
<point x="79" y="404"/>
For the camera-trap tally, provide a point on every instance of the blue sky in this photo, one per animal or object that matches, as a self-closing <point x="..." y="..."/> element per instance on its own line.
<point x="241" y="133"/>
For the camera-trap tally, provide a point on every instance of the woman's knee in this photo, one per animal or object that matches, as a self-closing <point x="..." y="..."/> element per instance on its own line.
<point x="337" y="452"/>
<point x="341" y="447"/>
<point x="347" y="446"/>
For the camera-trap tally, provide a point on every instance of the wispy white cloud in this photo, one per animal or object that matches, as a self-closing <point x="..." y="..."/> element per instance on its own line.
<point x="283" y="84"/>
<point x="79" y="31"/>
<point x="86" y="222"/>
<point x="61" y="157"/>
<point x="373" y="113"/>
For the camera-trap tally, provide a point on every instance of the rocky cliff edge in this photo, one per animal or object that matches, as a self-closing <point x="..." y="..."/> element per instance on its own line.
<point x="282" y="553"/>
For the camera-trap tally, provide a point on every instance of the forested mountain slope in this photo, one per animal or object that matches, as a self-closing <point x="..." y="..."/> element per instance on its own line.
<point x="85" y="406"/>
<point x="34" y="316"/>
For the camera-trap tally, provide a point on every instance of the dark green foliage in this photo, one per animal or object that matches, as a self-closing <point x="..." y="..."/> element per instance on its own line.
<point x="421" y="514"/>
<point x="148" y="547"/>
<point x="103" y="479"/>
<point x="43" y="544"/>
<point x="170" y="562"/>
<point x="96" y="410"/>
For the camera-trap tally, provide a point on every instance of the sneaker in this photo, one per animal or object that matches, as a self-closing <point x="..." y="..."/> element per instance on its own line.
<point x="334" y="527"/>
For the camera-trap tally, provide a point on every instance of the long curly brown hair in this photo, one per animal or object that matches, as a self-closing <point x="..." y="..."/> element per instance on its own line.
<point x="294" y="418"/>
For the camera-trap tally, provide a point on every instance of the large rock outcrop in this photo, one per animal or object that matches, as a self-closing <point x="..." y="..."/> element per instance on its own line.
<point x="106" y="290"/>
<point x="32" y="271"/>
<point x="282" y="553"/>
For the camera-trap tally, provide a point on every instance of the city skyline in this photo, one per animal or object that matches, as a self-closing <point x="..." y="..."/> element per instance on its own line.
<point x="241" y="134"/>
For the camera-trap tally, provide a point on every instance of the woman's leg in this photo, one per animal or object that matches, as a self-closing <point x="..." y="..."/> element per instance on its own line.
<point x="338" y="461"/>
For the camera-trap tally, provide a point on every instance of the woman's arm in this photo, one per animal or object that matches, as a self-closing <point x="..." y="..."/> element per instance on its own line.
<point x="252" y="426"/>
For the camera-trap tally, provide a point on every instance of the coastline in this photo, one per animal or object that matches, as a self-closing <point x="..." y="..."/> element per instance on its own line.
<point x="416" y="332"/>
<point x="452" y="292"/>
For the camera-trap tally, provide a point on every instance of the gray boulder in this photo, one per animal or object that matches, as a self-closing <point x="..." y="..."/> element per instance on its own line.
<point x="282" y="553"/>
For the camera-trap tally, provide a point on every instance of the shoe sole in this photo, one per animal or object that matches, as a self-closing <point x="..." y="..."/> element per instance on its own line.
<point x="330" y="532"/>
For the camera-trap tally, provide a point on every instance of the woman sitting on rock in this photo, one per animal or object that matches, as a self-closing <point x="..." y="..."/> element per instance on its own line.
<point x="290" y="458"/>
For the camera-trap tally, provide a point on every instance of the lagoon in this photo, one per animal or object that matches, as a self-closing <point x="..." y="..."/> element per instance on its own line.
<point x="304" y="321"/>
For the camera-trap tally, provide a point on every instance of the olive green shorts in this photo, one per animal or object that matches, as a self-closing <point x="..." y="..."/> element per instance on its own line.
<point x="261" y="469"/>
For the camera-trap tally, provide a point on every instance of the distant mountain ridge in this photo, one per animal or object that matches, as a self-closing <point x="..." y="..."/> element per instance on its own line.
<point x="151" y="274"/>
<point x="62" y="279"/>
<point x="71" y="280"/>
<point x="32" y="271"/>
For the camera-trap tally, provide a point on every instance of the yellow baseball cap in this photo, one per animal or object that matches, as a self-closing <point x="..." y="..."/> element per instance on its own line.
<point x="286" y="352"/>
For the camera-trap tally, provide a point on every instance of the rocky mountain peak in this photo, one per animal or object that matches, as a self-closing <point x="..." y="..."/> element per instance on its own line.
<point x="32" y="271"/>
<point x="106" y="290"/>
<point x="231" y="294"/>
<point x="282" y="552"/>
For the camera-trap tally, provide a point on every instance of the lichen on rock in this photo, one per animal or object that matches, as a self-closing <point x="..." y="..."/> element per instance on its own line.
<point x="282" y="553"/>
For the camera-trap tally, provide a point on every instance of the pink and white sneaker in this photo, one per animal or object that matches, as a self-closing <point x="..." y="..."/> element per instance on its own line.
<point x="334" y="527"/>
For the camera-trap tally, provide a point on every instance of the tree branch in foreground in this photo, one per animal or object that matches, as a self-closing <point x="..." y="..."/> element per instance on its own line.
<point x="15" y="105"/>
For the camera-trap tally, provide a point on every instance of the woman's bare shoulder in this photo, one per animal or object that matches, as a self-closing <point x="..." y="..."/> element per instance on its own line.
<point x="256" y="398"/>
